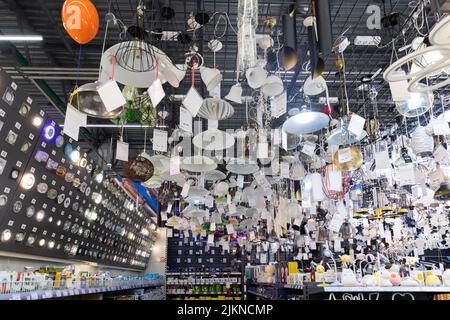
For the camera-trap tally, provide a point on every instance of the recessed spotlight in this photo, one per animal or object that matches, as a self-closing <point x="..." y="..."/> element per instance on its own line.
<point x="41" y="243"/>
<point x="40" y="215"/>
<point x="75" y="156"/>
<point x="49" y="132"/>
<point x="37" y="121"/>
<point x="27" y="181"/>
<point x="51" y="244"/>
<point x="6" y="235"/>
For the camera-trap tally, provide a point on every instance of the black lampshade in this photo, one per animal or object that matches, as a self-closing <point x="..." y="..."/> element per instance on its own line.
<point x="289" y="52"/>
<point x="324" y="29"/>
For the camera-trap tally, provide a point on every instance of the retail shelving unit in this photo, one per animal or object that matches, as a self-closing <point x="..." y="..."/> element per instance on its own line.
<point x="71" y="292"/>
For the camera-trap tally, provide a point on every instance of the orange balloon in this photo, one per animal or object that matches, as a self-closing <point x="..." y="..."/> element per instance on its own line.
<point x="80" y="19"/>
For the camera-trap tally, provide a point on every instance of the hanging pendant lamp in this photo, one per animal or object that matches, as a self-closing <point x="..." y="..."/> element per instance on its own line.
<point x="91" y="103"/>
<point x="289" y="51"/>
<point x="308" y="120"/>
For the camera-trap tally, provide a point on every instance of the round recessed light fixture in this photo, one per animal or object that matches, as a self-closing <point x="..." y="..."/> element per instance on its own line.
<point x="49" y="132"/>
<point x="6" y="235"/>
<point x="28" y="181"/>
<point x="51" y="244"/>
<point x="75" y="156"/>
<point x="41" y="243"/>
<point x="40" y="215"/>
<point x="37" y="121"/>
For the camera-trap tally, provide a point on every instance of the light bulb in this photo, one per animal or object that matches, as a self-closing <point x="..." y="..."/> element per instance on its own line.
<point x="75" y="156"/>
<point x="40" y="215"/>
<point x="41" y="243"/>
<point x="51" y="244"/>
<point x="49" y="132"/>
<point x="27" y="181"/>
<point x="6" y="235"/>
<point x="37" y="121"/>
<point x="99" y="177"/>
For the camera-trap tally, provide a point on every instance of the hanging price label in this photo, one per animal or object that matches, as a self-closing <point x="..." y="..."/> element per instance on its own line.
<point x="344" y="155"/>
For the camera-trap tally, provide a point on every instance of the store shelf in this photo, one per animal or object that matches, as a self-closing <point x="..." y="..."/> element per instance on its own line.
<point x="258" y="294"/>
<point x="386" y="289"/>
<point x="293" y="286"/>
<point x="312" y="290"/>
<point x="50" y="294"/>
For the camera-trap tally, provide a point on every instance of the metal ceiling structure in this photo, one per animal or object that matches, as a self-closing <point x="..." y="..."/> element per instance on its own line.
<point x="55" y="59"/>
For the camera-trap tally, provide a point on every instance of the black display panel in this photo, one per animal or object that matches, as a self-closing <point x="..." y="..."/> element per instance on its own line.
<point x="186" y="253"/>
<point x="54" y="201"/>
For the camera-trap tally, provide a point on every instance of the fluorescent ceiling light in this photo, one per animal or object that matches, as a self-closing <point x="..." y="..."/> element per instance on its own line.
<point x="21" y="38"/>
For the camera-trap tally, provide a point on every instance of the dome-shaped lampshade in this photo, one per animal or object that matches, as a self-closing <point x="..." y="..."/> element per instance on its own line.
<point x="354" y="163"/>
<point x="417" y="104"/>
<point x="421" y="142"/>
<point x="91" y="103"/>
<point x="308" y="120"/>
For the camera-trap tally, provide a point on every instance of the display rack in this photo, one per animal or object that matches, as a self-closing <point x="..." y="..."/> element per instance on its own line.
<point x="110" y="286"/>
<point x="314" y="292"/>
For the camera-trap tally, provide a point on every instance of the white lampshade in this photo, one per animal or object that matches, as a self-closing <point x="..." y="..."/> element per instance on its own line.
<point x="256" y="77"/>
<point x="211" y="77"/>
<point x="306" y="121"/>
<point x="235" y="94"/>
<point x="314" y="87"/>
<point x="272" y="87"/>
<point x="173" y="74"/>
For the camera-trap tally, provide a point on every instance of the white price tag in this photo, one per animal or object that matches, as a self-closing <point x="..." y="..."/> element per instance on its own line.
<point x="279" y="105"/>
<point x="344" y="155"/>
<point x="356" y="125"/>
<point x="213" y="124"/>
<point x="276" y="133"/>
<point x="159" y="140"/>
<point x="211" y="239"/>
<point x="284" y="140"/>
<point x="111" y="95"/>
<point x="209" y="202"/>
<point x="284" y="170"/>
<point x="441" y="155"/>
<point x="382" y="160"/>
<point x="73" y="121"/>
<point x="230" y="229"/>
<point x="263" y="150"/>
<point x="334" y="180"/>
<point x="240" y="181"/>
<point x="440" y="127"/>
<point x="399" y="89"/>
<point x="193" y="101"/>
<point x="309" y="148"/>
<point x="156" y="92"/>
<point x="122" y="151"/>
<point x="174" y="165"/>
<point x="407" y="175"/>
<point x="185" y="120"/>
<point x="185" y="190"/>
